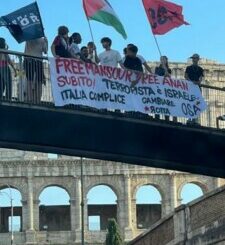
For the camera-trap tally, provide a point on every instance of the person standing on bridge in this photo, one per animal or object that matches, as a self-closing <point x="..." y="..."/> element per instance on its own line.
<point x="92" y="52"/>
<point x="131" y="61"/>
<point x="60" y="45"/>
<point x="5" y="72"/>
<point x="34" y="69"/>
<point x="109" y="57"/>
<point x="74" y="42"/>
<point x="195" y="74"/>
<point x="164" y="70"/>
<point x="84" y="55"/>
<point x="142" y="59"/>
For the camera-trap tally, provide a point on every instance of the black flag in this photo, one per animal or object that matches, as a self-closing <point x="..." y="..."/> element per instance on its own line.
<point x="25" y="23"/>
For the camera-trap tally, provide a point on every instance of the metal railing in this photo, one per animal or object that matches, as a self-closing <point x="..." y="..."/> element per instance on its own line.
<point x="31" y="84"/>
<point x="27" y="80"/>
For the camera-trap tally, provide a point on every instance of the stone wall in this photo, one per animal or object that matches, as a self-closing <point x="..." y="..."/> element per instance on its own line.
<point x="199" y="222"/>
<point x="31" y="176"/>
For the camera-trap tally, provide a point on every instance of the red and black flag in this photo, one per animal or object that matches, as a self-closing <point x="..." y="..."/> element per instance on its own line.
<point x="163" y="15"/>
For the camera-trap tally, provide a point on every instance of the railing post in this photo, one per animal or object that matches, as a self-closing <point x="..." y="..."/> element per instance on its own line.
<point x="217" y="122"/>
<point x="20" y="80"/>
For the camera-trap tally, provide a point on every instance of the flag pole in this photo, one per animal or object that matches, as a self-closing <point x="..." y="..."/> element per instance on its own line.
<point x="89" y="25"/>
<point x="94" y="54"/>
<point x="160" y="53"/>
<point x="157" y="44"/>
<point x="43" y="30"/>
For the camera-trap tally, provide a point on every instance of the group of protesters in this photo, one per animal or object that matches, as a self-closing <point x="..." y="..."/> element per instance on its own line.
<point x="68" y="47"/>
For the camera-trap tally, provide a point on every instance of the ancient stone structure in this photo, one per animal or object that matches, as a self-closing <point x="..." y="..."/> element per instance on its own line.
<point x="30" y="173"/>
<point x="214" y="71"/>
<point x="200" y="222"/>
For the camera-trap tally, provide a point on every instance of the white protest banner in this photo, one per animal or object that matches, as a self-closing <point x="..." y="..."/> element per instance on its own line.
<point x="101" y="87"/>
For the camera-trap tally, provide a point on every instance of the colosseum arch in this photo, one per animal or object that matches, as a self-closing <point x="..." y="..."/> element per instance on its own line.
<point x="100" y="212"/>
<point x="156" y="185"/>
<point x="8" y="194"/>
<point x="18" y="183"/>
<point x="54" y="216"/>
<point x="148" y="212"/>
<point x="114" y="189"/>
<point x="201" y="185"/>
<point x="49" y="183"/>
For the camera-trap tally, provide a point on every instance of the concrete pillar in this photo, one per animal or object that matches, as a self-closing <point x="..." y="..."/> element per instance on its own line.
<point x="36" y="214"/>
<point x="120" y="213"/>
<point x="180" y="225"/>
<point x="73" y="218"/>
<point x="134" y="213"/>
<point x="77" y="204"/>
<point x="73" y="214"/>
<point x="30" y="205"/>
<point x="170" y="201"/>
<point x="29" y="211"/>
<point x="169" y="195"/>
<point x="78" y="224"/>
<point x="124" y="210"/>
<point x="24" y="215"/>
<point x="76" y="219"/>
<point x="173" y="192"/>
<point x="176" y="201"/>
<point x="85" y="214"/>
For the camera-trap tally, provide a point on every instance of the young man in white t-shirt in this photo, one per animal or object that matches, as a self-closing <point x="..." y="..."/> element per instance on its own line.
<point x="109" y="57"/>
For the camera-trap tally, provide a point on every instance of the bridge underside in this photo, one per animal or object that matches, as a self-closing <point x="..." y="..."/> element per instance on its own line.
<point x="112" y="137"/>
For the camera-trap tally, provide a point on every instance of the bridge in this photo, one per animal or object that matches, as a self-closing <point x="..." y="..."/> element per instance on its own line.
<point x="130" y="138"/>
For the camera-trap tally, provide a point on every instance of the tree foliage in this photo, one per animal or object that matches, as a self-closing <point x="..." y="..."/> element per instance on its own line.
<point x="113" y="236"/>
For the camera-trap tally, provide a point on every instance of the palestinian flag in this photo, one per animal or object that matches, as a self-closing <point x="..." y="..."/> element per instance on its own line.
<point x="102" y="11"/>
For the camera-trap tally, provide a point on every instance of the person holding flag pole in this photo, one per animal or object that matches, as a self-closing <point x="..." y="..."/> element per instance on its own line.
<point x="102" y="11"/>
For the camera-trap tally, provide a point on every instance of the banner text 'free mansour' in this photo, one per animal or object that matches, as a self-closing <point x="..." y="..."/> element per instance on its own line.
<point x="101" y="87"/>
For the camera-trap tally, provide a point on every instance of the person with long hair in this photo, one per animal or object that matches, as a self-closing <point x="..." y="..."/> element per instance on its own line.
<point x="74" y="42"/>
<point x="163" y="68"/>
<point x="5" y="72"/>
<point x="60" y="45"/>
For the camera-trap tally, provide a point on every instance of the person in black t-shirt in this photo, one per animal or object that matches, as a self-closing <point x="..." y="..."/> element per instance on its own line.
<point x="194" y="73"/>
<point x="131" y="61"/>
<point x="163" y="69"/>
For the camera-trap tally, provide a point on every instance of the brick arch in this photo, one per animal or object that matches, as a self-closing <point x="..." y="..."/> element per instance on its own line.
<point x="115" y="190"/>
<point x="18" y="188"/>
<point x="199" y="183"/>
<point x="52" y="185"/>
<point x="157" y="186"/>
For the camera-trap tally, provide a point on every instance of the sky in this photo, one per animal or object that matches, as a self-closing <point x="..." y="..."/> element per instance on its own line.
<point x="204" y="35"/>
